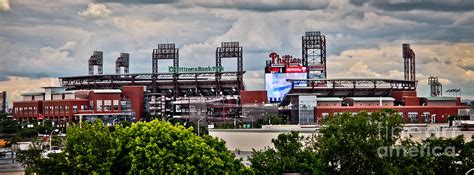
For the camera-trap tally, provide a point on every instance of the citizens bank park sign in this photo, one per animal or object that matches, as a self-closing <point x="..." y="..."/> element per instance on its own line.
<point x="195" y="69"/>
<point x="285" y="64"/>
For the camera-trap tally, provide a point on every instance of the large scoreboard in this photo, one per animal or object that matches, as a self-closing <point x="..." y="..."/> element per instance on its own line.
<point x="277" y="71"/>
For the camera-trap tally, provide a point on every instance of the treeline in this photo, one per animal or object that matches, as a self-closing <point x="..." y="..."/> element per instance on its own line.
<point x="155" y="147"/>
<point x="364" y="144"/>
<point x="360" y="144"/>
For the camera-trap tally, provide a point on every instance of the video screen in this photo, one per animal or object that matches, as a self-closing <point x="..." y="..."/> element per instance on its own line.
<point x="277" y="86"/>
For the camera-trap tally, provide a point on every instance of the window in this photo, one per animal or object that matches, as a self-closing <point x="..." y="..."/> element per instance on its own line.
<point x="74" y="109"/>
<point x="107" y="105"/>
<point x="91" y="105"/>
<point x="325" y="115"/>
<point x="116" y="105"/>
<point x="99" y="105"/>
<point x="413" y="116"/>
<point x="427" y="116"/>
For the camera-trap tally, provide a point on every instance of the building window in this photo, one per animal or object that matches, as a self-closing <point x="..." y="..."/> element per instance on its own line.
<point x="107" y="105"/>
<point x="427" y="116"/>
<point x="413" y="116"/>
<point x="116" y="105"/>
<point x="91" y="105"/>
<point x="401" y="114"/>
<point x="325" y="115"/>
<point x="99" y="105"/>
<point x="74" y="109"/>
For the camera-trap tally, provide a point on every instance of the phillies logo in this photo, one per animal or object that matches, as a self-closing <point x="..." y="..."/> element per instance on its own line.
<point x="286" y="60"/>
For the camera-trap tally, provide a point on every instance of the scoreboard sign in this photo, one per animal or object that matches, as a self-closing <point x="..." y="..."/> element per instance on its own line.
<point x="295" y="69"/>
<point x="284" y="64"/>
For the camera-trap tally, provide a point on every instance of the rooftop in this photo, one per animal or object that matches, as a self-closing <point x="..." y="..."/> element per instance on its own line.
<point x="441" y="98"/>
<point x="107" y="91"/>
<point x="328" y="99"/>
<point x="371" y="98"/>
<point x="32" y="93"/>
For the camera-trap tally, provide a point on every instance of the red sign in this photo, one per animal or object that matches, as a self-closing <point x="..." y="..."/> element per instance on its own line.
<point x="40" y="116"/>
<point x="295" y="69"/>
<point x="274" y="69"/>
<point x="285" y="61"/>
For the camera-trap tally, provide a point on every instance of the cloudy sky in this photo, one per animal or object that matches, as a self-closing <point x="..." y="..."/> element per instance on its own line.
<point x="44" y="39"/>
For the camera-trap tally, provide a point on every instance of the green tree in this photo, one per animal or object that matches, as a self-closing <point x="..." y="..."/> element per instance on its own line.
<point x="159" y="147"/>
<point x="30" y="157"/>
<point x="348" y="144"/>
<point x="454" y="154"/>
<point x="288" y="156"/>
<point x="92" y="148"/>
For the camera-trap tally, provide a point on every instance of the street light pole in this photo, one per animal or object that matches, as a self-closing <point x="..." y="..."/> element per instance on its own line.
<point x="51" y="138"/>
<point x="199" y="129"/>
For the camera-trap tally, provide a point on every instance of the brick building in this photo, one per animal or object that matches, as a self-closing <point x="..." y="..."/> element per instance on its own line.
<point x="63" y="106"/>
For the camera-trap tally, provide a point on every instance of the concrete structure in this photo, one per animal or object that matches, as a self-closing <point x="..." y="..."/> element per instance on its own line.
<point x="247" y="139"/>
<point x="69" y="106"/>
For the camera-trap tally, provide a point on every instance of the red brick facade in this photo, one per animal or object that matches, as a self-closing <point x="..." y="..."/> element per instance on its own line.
<point x="85" y="102"/>
<point x="253" y="97"/>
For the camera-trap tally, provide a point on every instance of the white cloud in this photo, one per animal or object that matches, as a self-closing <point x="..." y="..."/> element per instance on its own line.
<point x="68" y="46"/>
<point x="95" y="10"/>
<point x="4" y="5"/>
<point x="373" y="21"/>
<point x="465" y="19"/>
<point x="15" y="86"/>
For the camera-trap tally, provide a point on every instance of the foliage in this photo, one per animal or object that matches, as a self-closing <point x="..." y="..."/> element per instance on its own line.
<point x="91" y="148"/>
<point x="7" y="125"/>
<point x="273" y="119"/>
<point x="459" y="161"/>
<point x="348" y="144"/>
<point x="159" y="147"/>
<point x="29" y="158"/>
<point x="289" y="156"/>
<point x="155" y="147"/>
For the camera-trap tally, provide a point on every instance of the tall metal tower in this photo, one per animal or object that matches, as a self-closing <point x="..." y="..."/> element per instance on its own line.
<point x="163" y="52"/>
<point x="122" y="61"/>
<point x="96" y="60"/>
<point x="409" y="63"/>
<point x="314" y="54"/>
<point x="435" y="86"/>
<point x="229" y="50"/>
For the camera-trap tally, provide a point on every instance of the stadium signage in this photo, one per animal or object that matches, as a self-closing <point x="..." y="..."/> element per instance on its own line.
<point x="195" y="69"/>
<point x="295" y="69"/>
<point x="285" y="60"/>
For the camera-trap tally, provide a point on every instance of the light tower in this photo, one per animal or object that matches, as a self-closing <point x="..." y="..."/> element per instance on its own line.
<point x="229" y="50"/>
<point x="163" y="52"/>
<point x="122" y="61"/>
<point x="436" y="88"/>
<point x="409" y="63"/>
<point x="314" y="54"/>
<point x="96" y="60"/>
